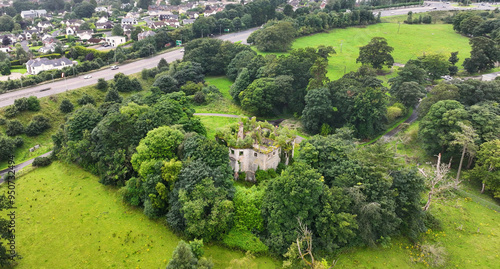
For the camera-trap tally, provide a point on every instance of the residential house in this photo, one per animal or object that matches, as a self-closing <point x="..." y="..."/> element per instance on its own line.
<point x="115" y="41"/>
<point x="95" y="41"/>
<point x="192" y="14"/>
<point x="12" y="38"/>
<point x="31" y="14"/>
<point x="30" y="34"/>
<point x="102" y="20"/>
<point x="44" y="25"/>
<point x="157" y="24"/>
<point x="164" y="17"/>
<point x="104" y="25"/>
<point x="129" y="21"/>
<point x="146" y="34"/>
<point x="135" y="15"/>
<point x="100" y="9"/>
<point x="188" y="21"/>
<point x="47" y="39"/>
<point x="5" y="49"/>
<point x="84" y="34"/>
<point x="38" y="65"/>
<point x="72" y="23"/>
<point x="71" y="30"/>
<point x="48" y="48"/>
<point x="127" y="29"/>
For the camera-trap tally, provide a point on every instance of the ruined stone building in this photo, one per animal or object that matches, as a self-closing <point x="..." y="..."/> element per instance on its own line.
<point x="256" y="145"/>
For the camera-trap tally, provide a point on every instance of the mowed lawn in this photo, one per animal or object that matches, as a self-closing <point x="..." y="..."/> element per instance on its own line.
<point x="411" y="42"/>
<point x="66" y="219"/>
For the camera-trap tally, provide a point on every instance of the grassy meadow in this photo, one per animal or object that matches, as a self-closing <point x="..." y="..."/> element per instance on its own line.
<point x="67" y="219"/>
<point x="411" y="42"/>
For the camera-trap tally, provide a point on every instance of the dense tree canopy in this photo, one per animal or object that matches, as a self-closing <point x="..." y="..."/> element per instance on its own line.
<point x="377" y="53"/>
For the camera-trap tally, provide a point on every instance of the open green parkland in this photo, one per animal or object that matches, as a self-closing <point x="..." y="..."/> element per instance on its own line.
<point x="67" y="219"/>
<point x="411" y="42"/>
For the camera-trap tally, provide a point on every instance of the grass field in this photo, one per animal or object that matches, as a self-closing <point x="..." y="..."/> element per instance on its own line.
<point x="213" y="123"/>
<point x="66" y="219"/>
<point x="19" y="70"/>
<point x="224" y="105"/>
<point x="411" y="42"/>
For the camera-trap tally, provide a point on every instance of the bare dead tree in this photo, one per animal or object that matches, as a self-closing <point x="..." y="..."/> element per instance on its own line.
<point x="305" y="246"/>
<point x="437" y="182"/>
<point x="466" y="139"/>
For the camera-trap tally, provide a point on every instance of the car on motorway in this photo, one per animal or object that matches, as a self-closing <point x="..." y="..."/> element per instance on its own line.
<point x="87" y="77"/>
<point x="114" y="67"/>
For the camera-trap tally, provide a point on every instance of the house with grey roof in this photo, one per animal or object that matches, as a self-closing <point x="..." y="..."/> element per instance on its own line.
<point x="31" y="14"/>
<point x="38" y="65"/>
<point x="143" y="35"/>
<point x="129" y="21"/>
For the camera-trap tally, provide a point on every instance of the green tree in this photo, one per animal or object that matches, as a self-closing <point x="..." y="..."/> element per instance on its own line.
<point x="467" y="139"/>
<point x="102" y="84"/>
<point x="377" y="53"/>
<point x="369" y="112"/>
<point x="86" y="99"/>
<point x="85" y="118"/>
<point x="241" y="83"/>
<point x="318" y="111"/>
<point x="294" y="194"/>
<point x="37" y="125"/>
<point x="6" y="23"/>
<point x="442" y="91"/>
<point x="113" y="96"/>
<point x="485" y="52"/>
<point x="436" y="65"/>
<point x="117" y="30"/>
<point x="166" y="84"/>
<point x="183" y="257"/>
<point x="275" y="38"/>
<point x="453" y="60"/>
<point x="66" y="106"/>
<point x="144" y="4"/>
<point x="468" y="25"/>
<point x="159" y="144"/>
<point x="84" y="10"/>
<point x="14" y="127"/>
<point x="409" y="93"/>
<point x="487" y="167"/>
<point x="162" y="64"/>
<point x="7" y="147"/>
<point x="318" y="74"/>
<point x="259" y="97"/>
<point x="437" y="126"/>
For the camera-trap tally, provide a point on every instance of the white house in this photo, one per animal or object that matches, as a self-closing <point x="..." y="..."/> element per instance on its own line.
<point x="129" y="21"/>
<point x="31" y="14"/>
<point x="44" y="25"/>
<point x="84" y="34"/>
<point x="102" y="20"/>
<point x="71" y="30"/>
<point x="38" y="65"/>
<point x="115" y="41"/>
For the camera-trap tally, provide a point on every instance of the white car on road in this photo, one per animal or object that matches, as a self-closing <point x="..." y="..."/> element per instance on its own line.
<point x="87" y="77"/>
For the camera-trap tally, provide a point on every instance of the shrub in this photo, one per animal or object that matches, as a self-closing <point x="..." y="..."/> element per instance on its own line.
<point x="113" y="96"/>
<point x="7" y="147"/>
<point x="11" y="112"/>
<point x="66" y="106"/>
<point x="33" y="103"/>
<point x="393" y="113"/>
<point x="3" y="121"/>
<point x="37" y="125"/>
<point x="102" y="84"/>
<point x="244" y="240"/>
<point x="18" y="142"/>
<point x="14" y="127"/>
<point x="86" y="99"/>
<point x="42" y="161"/>
<point x="199" y="98"/>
